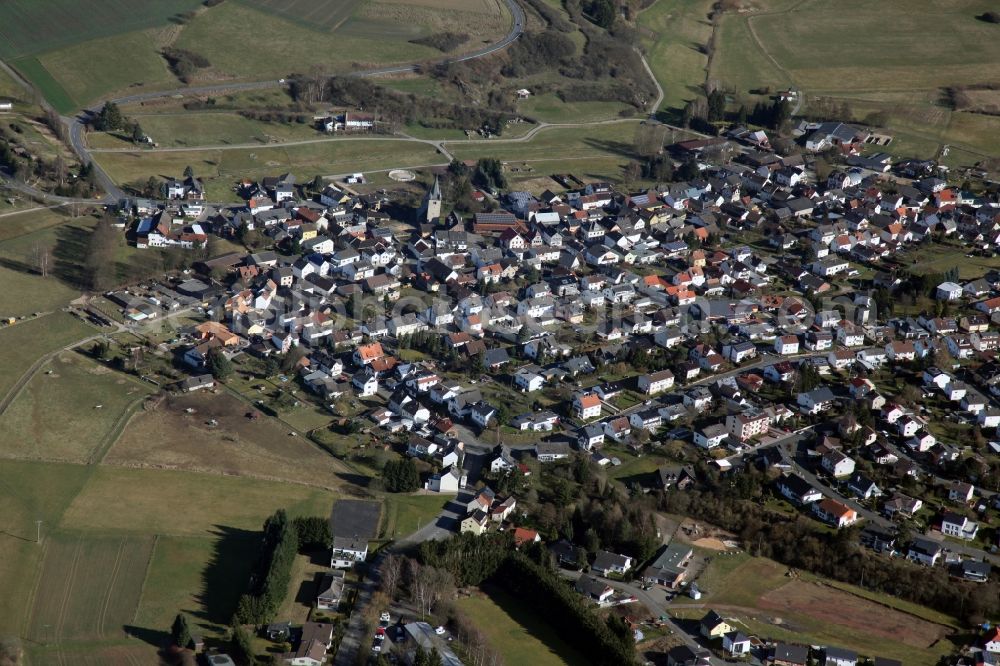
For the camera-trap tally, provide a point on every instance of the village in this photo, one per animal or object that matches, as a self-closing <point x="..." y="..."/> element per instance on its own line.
<point x="752" y="316"/>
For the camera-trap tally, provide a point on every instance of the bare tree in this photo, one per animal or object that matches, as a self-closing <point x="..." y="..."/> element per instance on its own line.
<point x="391" y="572"/>
<point x="42" y="256"/>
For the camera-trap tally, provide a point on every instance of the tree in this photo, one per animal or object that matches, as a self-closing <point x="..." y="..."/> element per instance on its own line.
<point x="138" y="136"/>
<point x="401" y="476"/>
<point x="180" y="634"/>
<point x="716" y="105"/>
<point x="242" y="646"/>
<point x="42" y="255"/>
<point x="188" y="172"/>
<point x="219" y="364"/>
<point x="313" y="532"/>
<point x="110" y="118"/>
<point x="602" y="12"/>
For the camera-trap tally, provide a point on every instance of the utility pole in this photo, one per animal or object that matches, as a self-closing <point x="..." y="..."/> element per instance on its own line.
<point x="38" y="531"/>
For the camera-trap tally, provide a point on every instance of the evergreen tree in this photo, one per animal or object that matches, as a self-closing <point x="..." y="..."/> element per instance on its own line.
<point x="180" y="634"/>
<point x="219" y="365"/>
<point x="109" y="119"/>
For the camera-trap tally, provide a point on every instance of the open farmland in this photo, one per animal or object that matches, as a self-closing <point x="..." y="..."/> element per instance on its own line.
<point x="25" y="342"/>
<point x="673" y="32"/>
<point x="320" y="14"/>
<point x="170" y="437"/>
<point x="780" y="43"/>
<point x="29" y="27"/>
<point x="149" y="501"/>
<point x="91" y="400"/>
<point x="89" y="587"/>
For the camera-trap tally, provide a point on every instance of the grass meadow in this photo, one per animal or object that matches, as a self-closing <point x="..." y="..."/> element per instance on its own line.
<point x="515" y="631"/>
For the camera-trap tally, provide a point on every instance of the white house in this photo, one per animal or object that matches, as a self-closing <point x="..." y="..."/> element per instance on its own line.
<point x="786" y="344"/>
<point x="837" y="463"/>
<point x="711" y="435"/>
<point x="348" y="551"/>
<point x="959" y="527"/>
<point x="656" y="382"/>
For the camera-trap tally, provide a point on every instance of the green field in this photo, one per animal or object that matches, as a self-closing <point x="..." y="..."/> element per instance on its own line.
<point x="68" y="410"/>
<point x="515" y="631"/>
<point x="206" y="129"/>
<point x="322" y="14"/>
<point x="30" y="27"/>
<point x="208" y="500"/>
<point x="25" y="342"/>
<point x="549" y="108"/>
<point x="222" y="168"/>
<point x="569" y="143"/>
<point x="789" y="43"/>
<point x="672" y="32"/>
<point x="404" y="514"/>
<point x="95" y="69"/>
<point x="763" y="598"/>
<point x="89" y="587"/>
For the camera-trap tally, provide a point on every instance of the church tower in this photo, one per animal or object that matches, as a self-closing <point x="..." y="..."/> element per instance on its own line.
<point x="430" y="211"/>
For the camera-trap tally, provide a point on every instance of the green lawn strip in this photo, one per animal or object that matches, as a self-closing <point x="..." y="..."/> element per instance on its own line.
<point x="33" y="70"/>
<point x="515" y="631"/>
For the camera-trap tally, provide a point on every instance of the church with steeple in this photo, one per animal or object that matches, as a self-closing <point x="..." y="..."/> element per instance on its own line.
<point x="430" y="209"/>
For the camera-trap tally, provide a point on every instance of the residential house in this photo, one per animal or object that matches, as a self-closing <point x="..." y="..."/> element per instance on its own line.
<point x="836" y="513"/>
<point x="606" y="562"/>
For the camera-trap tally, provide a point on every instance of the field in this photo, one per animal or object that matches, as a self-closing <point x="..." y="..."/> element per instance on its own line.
<point x="150" y="501"/>
<point x="25" y="342"/>
<point x="788" y="43"/>
<point x="222" y="168"/>
<point x="177" y="130"/>
<point x="56" y="416"/>
<point x="89" y="587"/>
<point x="673" y="32"/>
<point x="407" y="513"/>
<point x="762" y="599"/>
<point x="169" y="438"/>
<point x="30" y="27"/>
<point x="515" y="631"/>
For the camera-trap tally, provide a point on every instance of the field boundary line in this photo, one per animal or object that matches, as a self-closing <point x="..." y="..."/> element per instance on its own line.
<point x="115" y="432"/>
<point x="69" y="588"/>
<point x="111" y="587"/>
<point x="23" y="380"/>
<point x="29" y="607"/>
<point x="145" y="577"/>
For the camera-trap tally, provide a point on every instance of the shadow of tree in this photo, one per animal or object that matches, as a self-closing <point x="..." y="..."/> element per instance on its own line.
<point x="228" y="573"/>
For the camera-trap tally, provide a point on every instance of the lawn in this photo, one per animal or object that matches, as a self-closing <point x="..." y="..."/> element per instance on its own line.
<point x="549" y="108"/>
<point x="615" y="140"/>
<point x="405" y="514"/>
<point x="514" y="630"/>
<point x="57" y="417"/>
<point x="184" y="503"/>
<point x="25" y="342"/>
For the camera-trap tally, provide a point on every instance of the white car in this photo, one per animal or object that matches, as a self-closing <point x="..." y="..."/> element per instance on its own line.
<point x="439" y="631"/>
<point x="376" y="648"/>
<point x="384" y="617"/>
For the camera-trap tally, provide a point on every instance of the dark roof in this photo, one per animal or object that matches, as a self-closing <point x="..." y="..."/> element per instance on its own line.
<point x="355" y="518"/>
